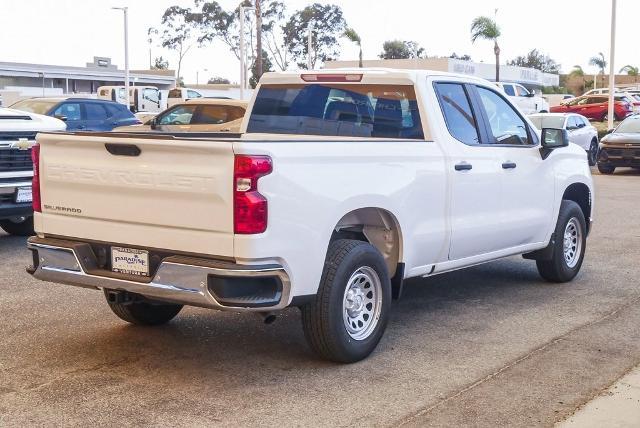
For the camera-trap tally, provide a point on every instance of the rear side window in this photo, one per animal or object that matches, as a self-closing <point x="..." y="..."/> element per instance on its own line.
<point x="95" y="111"/>
<point x="508" y="89"/>
<point x="348" y="110"/>
<point x="212" y="115"/>
<point x="457" y="112"/>
<point x="180" y="115"/>
<point x="175" y="93"/>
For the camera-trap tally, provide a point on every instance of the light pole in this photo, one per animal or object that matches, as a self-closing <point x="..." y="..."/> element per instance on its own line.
<point x="198" y="76"/>
<point x="309" y="45"/>
<point x="126" y="51"/>
<point x="243" y="67"/>
<point x="612" y="58"/>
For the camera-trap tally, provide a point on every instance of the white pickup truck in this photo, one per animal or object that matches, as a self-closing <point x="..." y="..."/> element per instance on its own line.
<point x="527" y="102"/>
<point x="343" y="184"/>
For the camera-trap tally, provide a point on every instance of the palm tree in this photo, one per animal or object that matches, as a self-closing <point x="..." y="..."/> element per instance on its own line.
<point x="351" y="34"/>
<point x="577" y="71"/>
<point x="600" y="62"/>
<point x="486" y="28"/>
<point x="631" y="71"/>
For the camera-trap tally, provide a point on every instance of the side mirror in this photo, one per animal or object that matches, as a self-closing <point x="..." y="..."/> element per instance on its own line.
<point x="61" y="117"/>
<point x="153" y="123"/>
<point x="553" y="139"/>
<point x="530" y="95"/>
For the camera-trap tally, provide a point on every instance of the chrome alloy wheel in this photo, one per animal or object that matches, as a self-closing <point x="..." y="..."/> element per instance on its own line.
<point x="362" y="303"/>
<point x="572" y="243"/>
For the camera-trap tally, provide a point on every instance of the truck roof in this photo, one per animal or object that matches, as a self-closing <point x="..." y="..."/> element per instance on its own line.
<point x="369" y="75"/>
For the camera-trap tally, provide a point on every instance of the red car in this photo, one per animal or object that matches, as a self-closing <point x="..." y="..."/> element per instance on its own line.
<point x="595" y="107"/>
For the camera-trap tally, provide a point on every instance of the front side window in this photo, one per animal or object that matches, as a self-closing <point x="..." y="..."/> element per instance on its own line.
<point x="349" y="110"/>
<point x="175" y="93"/>
<point x="214" y="115"/>
<point x="457" y="112"/>
<point x="180" y="115"/>
<point x="522" y="91"/>
<point x="69" y="110"/>
<point x="507" y="126"/>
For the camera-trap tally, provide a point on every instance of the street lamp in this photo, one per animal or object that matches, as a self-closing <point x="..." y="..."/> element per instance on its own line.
<point x="612" y="58"/>
<point x="243" y="59"/>
<point x="126" y="51"/>
<point x="198" y="76"/>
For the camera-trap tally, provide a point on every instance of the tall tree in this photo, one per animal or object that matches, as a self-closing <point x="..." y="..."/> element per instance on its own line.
<point x="218" y="80"/>
<point x="401" y="49"/>
<point x="328" y="24"/>
<point x="464" y="57"/>
<point x="176" y="33"/>
<point x="577" y="71"/>
<point x="631" y="71"/>
<point x="486" y="28"/>
<point x="601" y="63"/>
<point x="266" y="67"/>
<point x="537" y="60"/>
<point x="351" y="34"/>
<point x="160" y="64"/>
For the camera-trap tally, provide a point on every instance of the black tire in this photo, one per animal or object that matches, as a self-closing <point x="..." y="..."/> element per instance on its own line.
<point x="322" y="319"/>
<point x="142" y="312"/>
<point x="23" y="228"/>
<point x="606" y="169"/>
<point x="605" y="117"/>
<point x="592" y="154"/>
<point x="558" y="268"/>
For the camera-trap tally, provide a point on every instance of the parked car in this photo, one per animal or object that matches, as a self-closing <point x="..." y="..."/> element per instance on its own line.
<point x="580" y="131"/>
<point x="621" y="146"/>
<point x="623" y="94"/>
<point x="180" y="95"/>
<point x="596" y="107"/>
<point x="80" y="114"/>
<point x="201" y="115"/>
<point x="17" y="135"/>
<point x="528" y="102"/>
<point x="343" y="184"/>
<point x="600" y="91"/>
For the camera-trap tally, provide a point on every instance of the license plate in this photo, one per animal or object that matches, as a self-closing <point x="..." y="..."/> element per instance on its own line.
<point x="23" y="194"/>
<point x="130" y="261"/>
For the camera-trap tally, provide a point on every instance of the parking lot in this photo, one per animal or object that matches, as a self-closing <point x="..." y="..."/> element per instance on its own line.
<point x="491" y="345"/>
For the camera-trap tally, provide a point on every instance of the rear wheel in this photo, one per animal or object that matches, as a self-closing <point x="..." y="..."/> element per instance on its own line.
<point x="592" y="154"/>
<point x="606" y="169"/>
<point x="569" y="246"/>
<point x="22" y="226"/>
<point x="350" y="312"/>
<point x="141" y="312"/>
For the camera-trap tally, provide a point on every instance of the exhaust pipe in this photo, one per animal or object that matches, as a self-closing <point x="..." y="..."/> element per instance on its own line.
<point x="268" y="317"/>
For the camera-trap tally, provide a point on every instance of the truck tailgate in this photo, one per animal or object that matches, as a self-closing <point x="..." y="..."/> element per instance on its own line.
<point x="146" y="191"/>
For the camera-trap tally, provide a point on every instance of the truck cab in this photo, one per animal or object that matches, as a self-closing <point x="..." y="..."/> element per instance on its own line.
<point x="141" y="98"/>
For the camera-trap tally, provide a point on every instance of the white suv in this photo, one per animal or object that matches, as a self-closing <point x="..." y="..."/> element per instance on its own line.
<point x="527" y="102"/>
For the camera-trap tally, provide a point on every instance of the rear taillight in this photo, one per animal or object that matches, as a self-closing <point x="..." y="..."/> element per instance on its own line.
<point x="35" y="184"/>
<point x="249" y="206"/>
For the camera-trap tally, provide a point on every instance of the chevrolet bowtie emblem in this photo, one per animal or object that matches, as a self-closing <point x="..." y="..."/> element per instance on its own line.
<point x="21" y="144"/>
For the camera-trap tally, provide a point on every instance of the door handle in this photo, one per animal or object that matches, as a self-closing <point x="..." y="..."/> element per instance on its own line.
<point x="509" y="165"/>
<point x="463" y="166"/>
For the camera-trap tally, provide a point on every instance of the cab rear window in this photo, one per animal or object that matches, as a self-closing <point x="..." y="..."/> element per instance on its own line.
<point x="346" y="110"/>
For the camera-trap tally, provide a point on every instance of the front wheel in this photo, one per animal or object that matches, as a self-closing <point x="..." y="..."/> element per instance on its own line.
<point x="141" y="312"/>
<point x="18" y="227"/>
<point x="569" y="246"/>
<point x="348" y="317"/>
<point x="606" y="169"/>
<point x="592" y="154"/>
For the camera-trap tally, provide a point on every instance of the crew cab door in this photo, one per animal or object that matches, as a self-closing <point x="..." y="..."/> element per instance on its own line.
<point x="527" y="181"/>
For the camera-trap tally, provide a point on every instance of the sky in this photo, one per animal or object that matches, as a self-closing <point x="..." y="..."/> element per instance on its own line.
<point x="72" y="32"/>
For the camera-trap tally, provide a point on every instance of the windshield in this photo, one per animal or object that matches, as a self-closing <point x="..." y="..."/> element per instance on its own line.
<point x="34" y="106"/>
<point x="335" y="109"/>
<point x="555" y="122"/>
<point x="629" y="125"/>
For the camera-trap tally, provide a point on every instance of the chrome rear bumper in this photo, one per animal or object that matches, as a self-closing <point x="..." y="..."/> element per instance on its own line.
<point x="182" y="280"/>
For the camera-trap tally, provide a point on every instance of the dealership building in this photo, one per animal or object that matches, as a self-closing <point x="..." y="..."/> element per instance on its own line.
<point x="39" y="79"/>
<point x="529" y="77"/>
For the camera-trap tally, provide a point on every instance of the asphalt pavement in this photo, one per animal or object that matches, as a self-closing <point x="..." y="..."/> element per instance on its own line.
<point x="492" y="345"/>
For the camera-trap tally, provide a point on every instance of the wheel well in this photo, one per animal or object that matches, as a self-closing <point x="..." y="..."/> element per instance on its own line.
<point x="376" y="226"/>
<point x="580" y="194"/>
